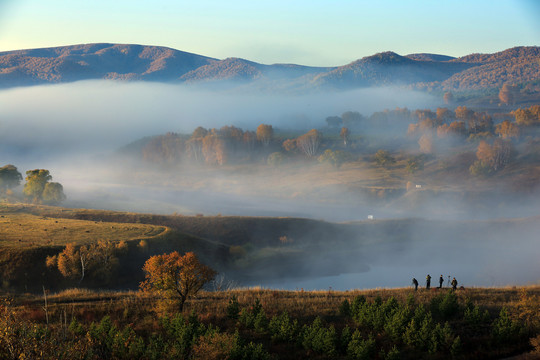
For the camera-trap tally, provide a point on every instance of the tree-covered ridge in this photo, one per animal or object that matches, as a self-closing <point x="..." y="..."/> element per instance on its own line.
<point x="518" y="65"/>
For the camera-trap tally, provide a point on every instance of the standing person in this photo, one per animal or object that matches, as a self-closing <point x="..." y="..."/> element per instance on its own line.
<point x="415" y="283"/>
<point x="441" y="280"/>
<point x="454" y="284"/>
<point x="428" y="281"/>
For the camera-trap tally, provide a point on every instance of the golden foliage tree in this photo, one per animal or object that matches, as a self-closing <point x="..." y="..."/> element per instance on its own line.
<point x="426" y="144"/>
<point x="463" y="113"/>
<point x="214" y="150"/>
<point x="289" y="145"/>
<point x="345" y="134"/>
<point x="448" y="97"/>
<point x="507" y="94"/>
<point x="309" y="142"/>
<point x="525" y="117"/>
<point x="99" y="259"/>
<point x="176" y="276"/>
<point x="265" y="134"/>
<point x="507" y="130"/>
<point x="35" y="183"/>
<point x="497" y="155"/>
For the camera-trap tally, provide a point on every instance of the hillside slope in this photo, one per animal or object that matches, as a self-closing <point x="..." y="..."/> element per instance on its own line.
<point x="96" y="61"/>
<point x="153" y="63"/>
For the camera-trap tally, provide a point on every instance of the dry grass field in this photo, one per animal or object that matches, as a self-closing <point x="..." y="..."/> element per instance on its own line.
<point x="27" y="230"/>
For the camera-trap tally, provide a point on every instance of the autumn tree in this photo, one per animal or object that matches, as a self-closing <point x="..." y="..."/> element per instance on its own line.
<point x="448" y="97"/>
<point x="37" y="181"/>
<point x="525" y="117"/>
<point x="289" y="145"/>
<point x="309" y="142"/>
<point x="249" y="139"/>
<point x="497" y="155"/>
<point x="507" y="94"/>
<point x="265" y="134"/>
<point x="444" y="115"/>
<point x="507" y="130"/>
<point x="344" y="134"/>
<point x="176" y="276"/>
<point x="213" y="149"/>
<point x="457" y="128"/>
<point x="463" y="113"/>
<point x="426" y="144"/>
<point x="194" y="145"/>
<point x="164" y="149"/>
<point x="199" y="133"/>
<point x="10" y="178"/>
<point x="99" y="259"/>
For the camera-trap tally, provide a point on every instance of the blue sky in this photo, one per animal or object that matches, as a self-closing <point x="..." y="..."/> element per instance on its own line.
<point x="310" y="32"/>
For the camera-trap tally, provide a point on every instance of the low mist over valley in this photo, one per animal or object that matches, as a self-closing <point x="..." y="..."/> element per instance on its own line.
<point x="353" y="159"/>
<point x="256" y="180"/>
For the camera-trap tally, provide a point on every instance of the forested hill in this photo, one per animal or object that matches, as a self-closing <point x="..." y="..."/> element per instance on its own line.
<point x="518" y="65"/>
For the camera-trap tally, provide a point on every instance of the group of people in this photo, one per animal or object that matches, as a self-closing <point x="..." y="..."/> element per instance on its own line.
<point x="441" y="281"/>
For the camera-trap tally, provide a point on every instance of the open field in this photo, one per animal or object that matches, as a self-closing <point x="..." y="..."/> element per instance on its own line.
<point x="26" y="230"/>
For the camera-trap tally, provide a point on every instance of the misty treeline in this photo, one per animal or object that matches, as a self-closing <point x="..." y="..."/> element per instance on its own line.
<point x="38" y="189"/>
<point x="423" y="133"/>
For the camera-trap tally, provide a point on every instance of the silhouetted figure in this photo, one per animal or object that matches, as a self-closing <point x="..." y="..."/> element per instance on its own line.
<point x="415" y="283"/>
<point x="454" y="284"/>
<point x="428" y="281"/>
<point x="441" y="280"/>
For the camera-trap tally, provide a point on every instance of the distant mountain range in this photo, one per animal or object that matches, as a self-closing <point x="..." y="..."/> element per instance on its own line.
<point x="153" y="63"/>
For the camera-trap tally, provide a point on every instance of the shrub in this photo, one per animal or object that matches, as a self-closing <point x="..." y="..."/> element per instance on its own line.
<point x="392" y="354"/>
<point x="260" y="323"/>
<point x="359" y="348"/>
<point x="445" y="306"/>
<point x="233" y="309"/>
<point x="282" y="328"/>
<point x="319" y="339"/>
<point x="345" y="308"/>
<point x="506" y="330"/>
<point x="474" y="317"/>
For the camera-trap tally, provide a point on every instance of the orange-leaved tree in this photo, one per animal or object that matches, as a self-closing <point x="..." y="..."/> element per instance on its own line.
<point x="176" y="276"/>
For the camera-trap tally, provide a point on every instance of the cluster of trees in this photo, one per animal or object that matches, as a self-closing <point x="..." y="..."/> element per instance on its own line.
<point x="38" y="187"/>
<point x="433" y="130"/>
<point x="99" y="260"/>
<point x="209" y="146"/>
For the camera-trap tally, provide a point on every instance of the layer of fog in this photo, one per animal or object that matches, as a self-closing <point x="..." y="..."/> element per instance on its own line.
<point x="99" y="116"/>
<point x="73" y="129"/>
<point x="492" y="259"/>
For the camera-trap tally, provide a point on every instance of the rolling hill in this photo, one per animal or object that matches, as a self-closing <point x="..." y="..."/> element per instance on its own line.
<point x="153" y="63"/>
